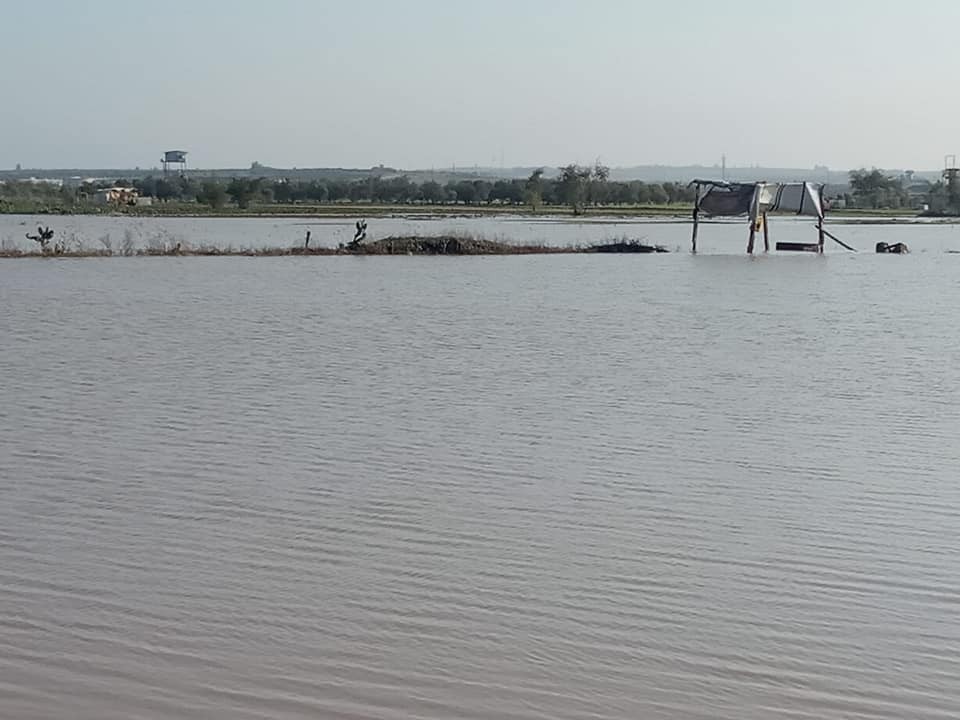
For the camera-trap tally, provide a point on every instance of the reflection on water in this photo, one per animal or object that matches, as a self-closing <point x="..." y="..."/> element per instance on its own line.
<point x="515" y="487"/>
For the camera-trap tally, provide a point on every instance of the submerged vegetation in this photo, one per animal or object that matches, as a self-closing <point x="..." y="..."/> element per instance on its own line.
<point x="400" y="245"/>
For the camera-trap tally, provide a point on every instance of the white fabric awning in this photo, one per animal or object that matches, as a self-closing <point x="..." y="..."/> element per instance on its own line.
<point x="799" y="198"/>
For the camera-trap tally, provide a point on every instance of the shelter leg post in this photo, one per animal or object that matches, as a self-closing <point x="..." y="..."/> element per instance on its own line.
<point x="766" y="235"/>
<point x="820" y="232"/>
<point x="753" y="232"/>
<point x="696" y="224"/>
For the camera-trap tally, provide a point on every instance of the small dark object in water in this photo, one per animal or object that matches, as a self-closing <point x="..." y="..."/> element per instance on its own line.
<point x="894" y="248"/>
<point x="630" y="246"/>
<point x="798" y="247"/>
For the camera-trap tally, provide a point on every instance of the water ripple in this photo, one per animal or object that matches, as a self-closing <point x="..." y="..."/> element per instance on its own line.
<point x="531" y="488"/>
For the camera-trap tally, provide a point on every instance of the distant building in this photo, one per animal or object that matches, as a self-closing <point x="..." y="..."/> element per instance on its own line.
<point x="45" y="181"/>
<point x="918" y="193"/>
<point x="116" y="196"/>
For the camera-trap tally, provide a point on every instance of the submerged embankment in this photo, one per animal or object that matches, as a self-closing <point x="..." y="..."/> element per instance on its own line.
<point x="412" y="245"/>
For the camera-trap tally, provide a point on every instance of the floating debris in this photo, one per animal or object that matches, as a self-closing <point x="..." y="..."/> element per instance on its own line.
<point x="893" y="248"/>
<point x="628" y="246"/>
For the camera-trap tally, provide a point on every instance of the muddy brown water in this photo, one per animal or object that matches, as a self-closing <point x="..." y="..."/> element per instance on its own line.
<point x="501" y="487"/>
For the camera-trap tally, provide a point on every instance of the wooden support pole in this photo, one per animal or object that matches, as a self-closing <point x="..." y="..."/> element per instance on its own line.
<point x="696" y="216"/>
<point x="766" y="235"/>
<point x="753" y="232"/>
<point x="696" y="224"/>
<point x="820" y="220"/>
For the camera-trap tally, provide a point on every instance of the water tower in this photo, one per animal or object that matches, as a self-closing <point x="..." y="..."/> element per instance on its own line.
<point x="175" y="158"/>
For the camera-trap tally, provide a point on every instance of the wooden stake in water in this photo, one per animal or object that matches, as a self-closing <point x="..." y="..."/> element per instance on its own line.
<point x="696" y="222"/>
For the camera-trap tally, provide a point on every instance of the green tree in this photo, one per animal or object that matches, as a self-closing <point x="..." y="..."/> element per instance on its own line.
<point x="432" y="192"/>
<point x="212" y="194"/>
<point x="875" y="189"/>
<point x="466" y="192"/>
<point x="481" y="191"/>
<point x="598" y="188"/>
<point x="940" y="201"/>
<point x="507" y="192"/>
<point x="641" y="191"/>
<point x="623" y="193"/>
<point x="572" y="186"/>
<point x="166" y="190"/>
<point x="242" y="191"/>
<point x="147" y="186"/>
<point x="337" y="190"/>
<point x="284" y="191"/>
<point x="318" y="192"/>
<point x="533" y="189"/>
<point x="656" y="194"/>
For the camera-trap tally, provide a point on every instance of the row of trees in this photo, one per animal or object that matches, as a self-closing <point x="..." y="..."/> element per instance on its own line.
<point x="22" y="195"/>
<point x="577" y="187"/>
<point x="875" y="189"/>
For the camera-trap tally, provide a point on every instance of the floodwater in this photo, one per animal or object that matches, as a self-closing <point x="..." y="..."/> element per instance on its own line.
<point x="93" y="232"/>
<point x="529" y="487"/>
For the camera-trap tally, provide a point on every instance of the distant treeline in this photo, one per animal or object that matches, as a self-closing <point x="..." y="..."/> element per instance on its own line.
<point x="536" y="190"/>
<point x="26" y="196"/>
<point x="576" y="187"/>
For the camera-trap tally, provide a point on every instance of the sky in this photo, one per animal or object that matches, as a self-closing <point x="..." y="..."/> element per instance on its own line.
<point x="438" y="83"/>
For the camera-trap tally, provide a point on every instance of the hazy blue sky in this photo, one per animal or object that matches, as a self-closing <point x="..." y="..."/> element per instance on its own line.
<point x="431" y="83"/>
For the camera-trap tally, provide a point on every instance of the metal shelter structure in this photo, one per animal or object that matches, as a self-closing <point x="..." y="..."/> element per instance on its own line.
<point x="718" y="198"/>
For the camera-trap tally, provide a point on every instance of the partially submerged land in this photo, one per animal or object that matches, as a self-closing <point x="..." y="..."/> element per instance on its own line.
<point x="350" y="210"/>
<point x="680" y="211"/>
<point x="406" y="245"/>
